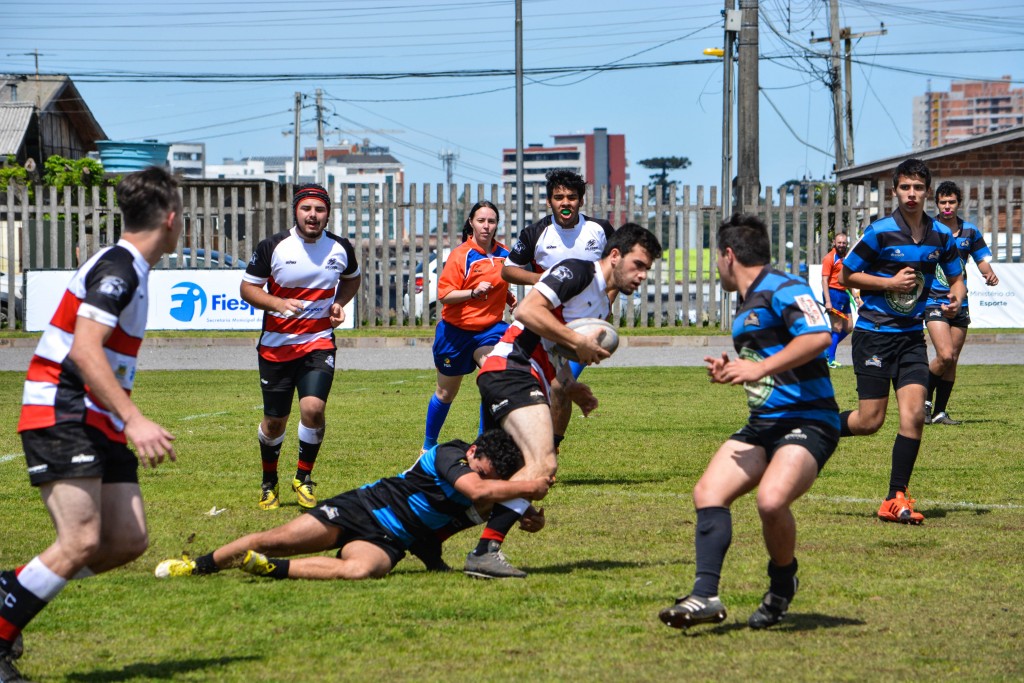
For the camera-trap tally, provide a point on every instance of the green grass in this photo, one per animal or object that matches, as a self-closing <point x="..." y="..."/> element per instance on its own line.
<point x="877" y="601"/>
<point x="692" y="255"/>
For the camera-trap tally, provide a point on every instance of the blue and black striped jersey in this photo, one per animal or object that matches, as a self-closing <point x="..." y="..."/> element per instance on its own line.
<point x="776" y="309"/>
<point x="414" y="504"/>
<point x="886" y="248"/>
<point x="970" y="243"/>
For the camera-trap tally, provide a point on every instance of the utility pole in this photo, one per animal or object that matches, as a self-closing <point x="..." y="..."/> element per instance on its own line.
<point x="844" y="153"/>
<point x="520" y="137"/>
<point x="320" y="174"/>
<point x="448" y="158"/>
<point x="836" y="84"/>
<point x="732" y="26"/>
<point x="298" y="133"/>
<point x="748" y="170"/>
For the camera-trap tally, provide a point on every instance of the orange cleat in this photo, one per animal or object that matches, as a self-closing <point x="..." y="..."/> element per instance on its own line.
<point x="900" y="509"/>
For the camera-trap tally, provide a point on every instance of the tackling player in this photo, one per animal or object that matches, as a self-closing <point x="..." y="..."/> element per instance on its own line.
<point x="448" y="487"/>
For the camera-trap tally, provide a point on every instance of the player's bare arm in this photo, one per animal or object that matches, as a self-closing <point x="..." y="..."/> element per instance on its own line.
<point x="801" y="350"/>
<point x="257" y="297"/>
<point x="152" y="441"/>
<point x="536" y="313"/>
<point x="347" y="289"/>
<point x="515" y="275"/>
<point x="957" y="295"/>
<point x="904" y="281"/>
<point x="490" y="491"/>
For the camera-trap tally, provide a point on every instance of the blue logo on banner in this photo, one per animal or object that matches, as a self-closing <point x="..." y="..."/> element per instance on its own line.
<point x="188" y="296"/>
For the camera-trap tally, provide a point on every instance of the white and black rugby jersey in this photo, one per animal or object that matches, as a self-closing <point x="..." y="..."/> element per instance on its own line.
<point x="545" y="243"/>
<point x="292" y="268"/>
<point x="111" y="289"/>
<point x="576" y="289"/>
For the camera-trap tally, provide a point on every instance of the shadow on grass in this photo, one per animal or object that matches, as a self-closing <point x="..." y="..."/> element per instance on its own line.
<point x="167" y="670"/>
<point x="600" y="565"/>
<point x="793" y="623"/>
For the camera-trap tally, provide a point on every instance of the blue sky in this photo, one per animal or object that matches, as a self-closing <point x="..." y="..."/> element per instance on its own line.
<point x="145" y="69"/>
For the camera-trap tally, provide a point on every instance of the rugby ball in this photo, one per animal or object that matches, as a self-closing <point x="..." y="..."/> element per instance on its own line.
<point x="597" y="328"/>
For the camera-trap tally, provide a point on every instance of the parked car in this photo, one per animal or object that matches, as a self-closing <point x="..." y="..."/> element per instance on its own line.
<point x="19" y="300"/>
<point x="419" y="281"/>
<point x="200" y="259"/>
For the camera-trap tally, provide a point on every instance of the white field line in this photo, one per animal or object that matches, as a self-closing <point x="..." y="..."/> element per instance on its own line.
<point x="9" y="458"/>
<point x="196" y="417"/>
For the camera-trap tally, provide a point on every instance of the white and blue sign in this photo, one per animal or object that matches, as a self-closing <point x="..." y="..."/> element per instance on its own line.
<point x="178" y="300"/>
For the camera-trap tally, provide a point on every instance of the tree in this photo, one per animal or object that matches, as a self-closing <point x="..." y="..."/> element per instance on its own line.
<point x="659" y="181"/>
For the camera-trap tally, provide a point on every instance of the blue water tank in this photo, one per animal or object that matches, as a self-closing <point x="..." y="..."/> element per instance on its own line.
<point x="126" y="157"/>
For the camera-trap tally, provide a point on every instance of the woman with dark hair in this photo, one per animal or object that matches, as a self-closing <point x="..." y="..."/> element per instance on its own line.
<point x="472" y="320"/>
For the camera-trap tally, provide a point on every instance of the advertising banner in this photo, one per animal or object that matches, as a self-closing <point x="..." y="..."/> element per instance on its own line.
<point x="178" y="300"/>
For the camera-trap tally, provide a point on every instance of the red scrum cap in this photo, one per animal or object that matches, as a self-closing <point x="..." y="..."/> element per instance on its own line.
<point x="311" y="191"/>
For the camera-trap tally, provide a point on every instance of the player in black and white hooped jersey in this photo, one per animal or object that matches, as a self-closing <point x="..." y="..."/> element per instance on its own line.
<point x="302" y="279"/>
<point x="515" y="378"/>
<point x="565" y="234"/>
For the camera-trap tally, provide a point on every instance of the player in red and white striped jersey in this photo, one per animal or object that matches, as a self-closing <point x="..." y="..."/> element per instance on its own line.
<point x="302" y="279"/>
<point x="77" y="414"/>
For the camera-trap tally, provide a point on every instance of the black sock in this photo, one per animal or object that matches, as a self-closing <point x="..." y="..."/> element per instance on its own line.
<point x="280" y="568"/>
<point x="17" y="610"/>
<point x="942" y="391"/>
<point x="904" y="455"/>
<point x="559" y="438"/>
<point x="269" y="455"/>
<point x="933" y="381"/>
<point x="781" y="579"/>
<point x="205" y="565"/>
<point x="844" y="423"/>
<point x="307" y="458"/>
<point x="714" y="535"/>
<point x="501" y="521"/>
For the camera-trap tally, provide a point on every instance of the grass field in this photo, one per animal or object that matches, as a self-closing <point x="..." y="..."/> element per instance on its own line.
<point x="878" y="602"/>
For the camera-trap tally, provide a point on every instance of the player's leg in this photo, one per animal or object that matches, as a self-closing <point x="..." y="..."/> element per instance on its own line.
<point x="75" y="508"/>
<point x="304" y="534"/>
<point x="314" y="386"/>
<point x="530" y="427"/>
<point x="561" y="405"/>
<point x="939" y="332"/>
<point x="123" y="531"/>
<point x="790" y="473"/>
<point x="840" y="317"/>
<point x="734" y="470"/>
<point x="357" y="560"/>
<point x="910" y="396"/>
<point x="873" y="364"/>
<point x="277" y="385"/>
<point x="944" y="386"/>
<point x="440" y="403"/>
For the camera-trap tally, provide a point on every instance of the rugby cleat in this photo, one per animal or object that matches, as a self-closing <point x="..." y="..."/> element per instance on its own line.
<point x="491" y="565"/>
<point x="304" y="490"/>
<point x="834" y="364"/>
<point x="186" y="566"/>
<point x="692" y="610"/>
<point x="943" y="418"/>
<point x="8" y="672"/>
<point x="257" y="563"/>
<point x="772" y="609"/>
<point x="927" y="412"/>
<point x="268" y="497"/>
<point x="900" y="509"/>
